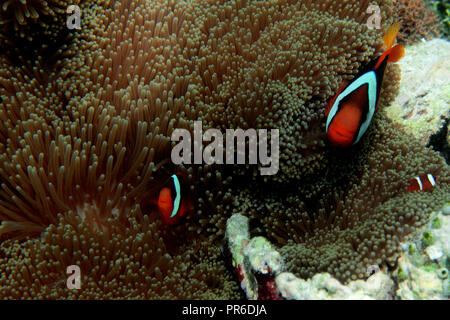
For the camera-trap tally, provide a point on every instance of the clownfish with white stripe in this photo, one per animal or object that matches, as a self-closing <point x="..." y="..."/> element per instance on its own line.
<point x="173" y="201"/>
<point x="351" y="110"/>
<point x="423" y="182"/>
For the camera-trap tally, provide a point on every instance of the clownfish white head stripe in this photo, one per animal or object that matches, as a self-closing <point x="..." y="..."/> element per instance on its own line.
<point x="177" y="201"/>
<point x="350" y="112"/>
<point x="431" y="179"/>
<point x="423" y="182"/>
<point x="174" y="200"/>
<point x="368" y="78"/>
<point x="419" y="183"/>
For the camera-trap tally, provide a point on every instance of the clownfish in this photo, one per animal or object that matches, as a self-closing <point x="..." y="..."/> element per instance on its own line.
<point x="351" y="110"/>
<point x="173" y="201"/>
<point x="423" y="182"/>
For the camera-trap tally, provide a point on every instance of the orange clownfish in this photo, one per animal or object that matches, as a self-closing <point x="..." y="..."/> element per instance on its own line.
<point x="423" y="182"/>
<point x="351" y="110"/>
<point x="173" y="201"/>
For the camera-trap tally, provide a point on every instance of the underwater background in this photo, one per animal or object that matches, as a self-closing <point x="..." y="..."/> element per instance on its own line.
<point x="87" y="116"/>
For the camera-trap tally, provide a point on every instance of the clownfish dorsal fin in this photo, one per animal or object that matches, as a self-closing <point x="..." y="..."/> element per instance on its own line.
<point x="393" y="53"/>
<point x="390" y="35"/>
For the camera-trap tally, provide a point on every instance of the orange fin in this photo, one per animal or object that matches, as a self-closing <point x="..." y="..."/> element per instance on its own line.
<point x="396" y="53"/>
<point x="391" y="34"/>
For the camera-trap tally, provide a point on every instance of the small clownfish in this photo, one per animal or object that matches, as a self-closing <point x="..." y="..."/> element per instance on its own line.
<point x="351" y="110"/>
<point x="173" y="201"/>
<point x="423" y="182"/>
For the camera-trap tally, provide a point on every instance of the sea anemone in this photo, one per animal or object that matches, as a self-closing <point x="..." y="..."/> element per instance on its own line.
<point x="128" y="262"/>
<point x="342" y="223"/>
<point x="85" y="140"/>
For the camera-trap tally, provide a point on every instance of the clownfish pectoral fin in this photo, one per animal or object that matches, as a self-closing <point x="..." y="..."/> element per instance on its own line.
<point x="390" y="35"/>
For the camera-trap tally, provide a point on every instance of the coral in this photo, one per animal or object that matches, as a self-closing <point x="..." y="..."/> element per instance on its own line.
<point x="427" y="238"/>
<point x="255" y="261"/>
<point x="418" y="21"/>
<point x="418" y="272"/>
<point x="443" y="273"/>
<point x="436" y="223"/>
<point x="446" y="209"/>
<point x="262" y="275"/>
<point x="324" y="287"/>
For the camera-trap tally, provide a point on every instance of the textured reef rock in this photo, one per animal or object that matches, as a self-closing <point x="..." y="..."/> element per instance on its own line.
<point x="255" y="261"/>
<point x="324" y="287"/>
<point x="422" y="105"/>
<point x="421" y="271"/>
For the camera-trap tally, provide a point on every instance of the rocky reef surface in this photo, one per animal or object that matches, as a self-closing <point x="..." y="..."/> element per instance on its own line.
<point x="421" y="271"/>
<point x="422" y="105"/>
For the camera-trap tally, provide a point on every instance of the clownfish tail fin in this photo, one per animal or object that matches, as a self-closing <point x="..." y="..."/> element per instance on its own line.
<point x="391" y="34"/>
